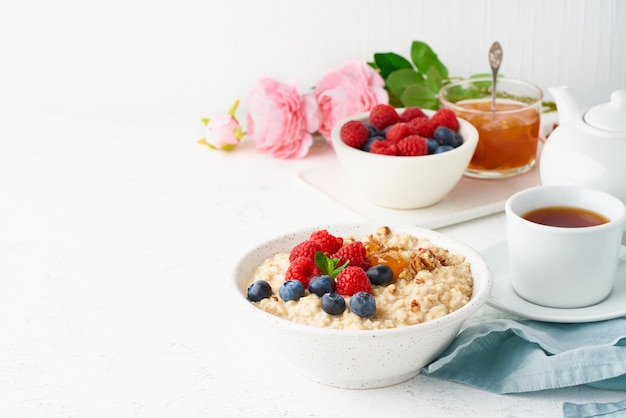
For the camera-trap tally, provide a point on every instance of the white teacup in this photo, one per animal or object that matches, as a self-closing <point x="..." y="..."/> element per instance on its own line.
<point x="558" y="266"/>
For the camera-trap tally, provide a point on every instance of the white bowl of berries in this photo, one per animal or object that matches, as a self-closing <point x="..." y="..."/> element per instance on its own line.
<point x="360" y="305"/>
<point x="404" y="158"/>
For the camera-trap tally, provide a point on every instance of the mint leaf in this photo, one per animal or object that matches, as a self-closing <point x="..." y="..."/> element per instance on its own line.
<point x="389" y="62"/>
<point x="327" y="265"/>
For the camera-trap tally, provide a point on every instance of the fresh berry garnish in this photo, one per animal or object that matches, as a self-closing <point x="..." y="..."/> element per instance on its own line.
<point x="352" y="280"/>
<point x="446" y="136"/>
<point x="319" y="285"/>
<point x="302" y="269"/>
<point x="385" y="147"/>
<point x="412" y="146"/>
<point x="333" y="304"/>
<point x="372" y="130"/>
<point x="367" y="147"/>
<point x="305" y="249"/>
<point x="423" y="127"/>
<point x="445" y="117"/>
<point x="432" y="145"/>
<point x="443" y="148"/>
<point x="259" y="290"/>
<point x="354" y="253"/>
<point x="329" y="244"/>
<point x="380" y="275"/>
<point x="398" y="131"/>
<point x="363" y="304"/>
<point x="383" y="115"/>
<point x="291" y="290"/>
<point x="354" y="133"/>
<point x="411" y="113"/>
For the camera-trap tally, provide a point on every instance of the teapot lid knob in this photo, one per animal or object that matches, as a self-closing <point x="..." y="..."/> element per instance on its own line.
<point x="609" y="116"/>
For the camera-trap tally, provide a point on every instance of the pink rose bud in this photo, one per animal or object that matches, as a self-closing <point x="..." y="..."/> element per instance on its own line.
<point x="223" y="132"/>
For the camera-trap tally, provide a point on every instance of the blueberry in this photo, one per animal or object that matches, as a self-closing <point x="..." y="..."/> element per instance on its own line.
<point x="380" y="275"/>
<point x="259" y="290"/>
<point x="432" y="145"/>
<point x="370" y="140"/>
<point x="445" y="136"/>
<point x="458" y="140"/>
<point x="322" y="284"/>
<point x="443" y="148"/>
<point x="291" y="290"/>
<point x="372" y="130"/>
<point x="363" y="304"/>
<point x="333" y="303"/>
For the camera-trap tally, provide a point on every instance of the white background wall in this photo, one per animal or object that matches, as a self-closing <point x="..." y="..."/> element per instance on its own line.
<point x="199" y="56"/>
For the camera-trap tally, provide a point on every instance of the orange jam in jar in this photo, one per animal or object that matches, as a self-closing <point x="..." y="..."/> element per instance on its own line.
<point x="507" y="138"/>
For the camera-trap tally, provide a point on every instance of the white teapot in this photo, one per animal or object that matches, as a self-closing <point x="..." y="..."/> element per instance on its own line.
<point x="588" y="148"/>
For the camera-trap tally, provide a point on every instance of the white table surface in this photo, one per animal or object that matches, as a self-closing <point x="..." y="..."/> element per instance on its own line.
<point x="118" y="234"/>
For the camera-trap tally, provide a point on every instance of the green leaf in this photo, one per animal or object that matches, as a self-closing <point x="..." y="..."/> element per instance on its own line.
<point x="481" y="75"/>
<point x="467" y="91"/>
<point x="433" y="80"/>
<point x="420" y="95"/>
<point x="425" y="58"/>
<point x="388" y="62"/>
<point x="327" y="265"/>
<point x="394" y="100"/>
<point x="548" y="107"/>
<point x="399" y="80"/>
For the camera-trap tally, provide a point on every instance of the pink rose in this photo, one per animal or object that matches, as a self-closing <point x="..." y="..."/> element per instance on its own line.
<point x="223" y="132"/>
<point x="280" y="120"/>
<point x="354" y="88"/>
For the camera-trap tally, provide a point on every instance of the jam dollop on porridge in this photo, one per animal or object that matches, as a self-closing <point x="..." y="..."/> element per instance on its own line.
<point x="428" y="282"/>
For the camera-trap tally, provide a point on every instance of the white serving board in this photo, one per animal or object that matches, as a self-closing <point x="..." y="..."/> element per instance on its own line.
<point x="470" y="199"/>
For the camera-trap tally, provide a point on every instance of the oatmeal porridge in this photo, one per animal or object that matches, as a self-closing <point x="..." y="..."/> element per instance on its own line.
<point x="428" y="283"/>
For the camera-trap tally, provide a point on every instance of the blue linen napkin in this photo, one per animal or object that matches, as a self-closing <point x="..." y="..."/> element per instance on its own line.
<point x="589" y="410"/>
<point x="507" y="356"/>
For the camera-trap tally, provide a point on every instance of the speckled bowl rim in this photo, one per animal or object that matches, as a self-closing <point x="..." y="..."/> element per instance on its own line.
<point x="479" y="266"/>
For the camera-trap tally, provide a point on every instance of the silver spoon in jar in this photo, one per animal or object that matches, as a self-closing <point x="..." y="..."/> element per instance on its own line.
<point x="495" y="59"/>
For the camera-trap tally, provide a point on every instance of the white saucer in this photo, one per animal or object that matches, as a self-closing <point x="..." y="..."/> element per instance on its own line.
<point x="504" y="298"/>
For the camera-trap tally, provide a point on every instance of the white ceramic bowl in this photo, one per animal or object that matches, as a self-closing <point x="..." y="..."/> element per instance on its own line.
<point x="405" y="182"/>
<point x="358" y="359"/>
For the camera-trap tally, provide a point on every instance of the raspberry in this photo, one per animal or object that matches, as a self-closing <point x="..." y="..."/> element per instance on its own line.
<point x="413" y="145"/>
<point x="385" y="147"/>
<point x="352" y="280"/>
<point x="398" y="131"/>
<point x="423" y="127"/>
<point x="445" y="117"/>
<point x="302" y="269"/>
<point x="305" y="249"/>
<point x="383" y="115"/>
<point x="354" y="133"/>
<point x="329" y="244"/>
<point x="355" y="253"/>
<point x="411" y="113"/>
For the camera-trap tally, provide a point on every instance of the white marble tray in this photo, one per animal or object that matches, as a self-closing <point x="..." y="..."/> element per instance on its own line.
<point x="471" y="198"/>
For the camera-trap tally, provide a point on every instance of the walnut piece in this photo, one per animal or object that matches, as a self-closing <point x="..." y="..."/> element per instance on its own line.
<point x="428" y="259"/>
